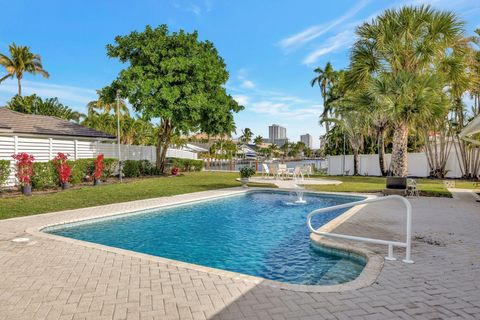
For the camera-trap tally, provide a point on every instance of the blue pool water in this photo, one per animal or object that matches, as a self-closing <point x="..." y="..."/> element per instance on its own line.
<point x="260" y="233"/>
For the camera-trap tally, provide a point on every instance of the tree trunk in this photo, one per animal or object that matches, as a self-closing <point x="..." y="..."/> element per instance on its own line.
<point x="399" y="152"/>
<point x="355" y="162"/>
<point x="163" y="141"/>
<point x="327" y="124"/>
<point x="381" y="151"/>
<point x="19" y="86"/>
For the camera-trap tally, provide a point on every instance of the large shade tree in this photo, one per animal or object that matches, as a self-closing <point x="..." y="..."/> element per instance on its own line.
<point x="401" y="50"/>
<point x="21" y="61"/>
<point x="176" y="78"/>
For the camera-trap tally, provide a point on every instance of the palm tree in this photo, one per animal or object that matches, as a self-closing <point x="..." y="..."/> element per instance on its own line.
<point x="401" y="49"/>
<point x="258" y="140"/>
<point x="21" y="61"/>
<point x="324" y="80"/>
<point x="247" y="135"/>
<point x="108" y="107"/>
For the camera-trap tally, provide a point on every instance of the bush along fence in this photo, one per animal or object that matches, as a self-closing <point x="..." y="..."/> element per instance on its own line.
<point x="62" y="172"/>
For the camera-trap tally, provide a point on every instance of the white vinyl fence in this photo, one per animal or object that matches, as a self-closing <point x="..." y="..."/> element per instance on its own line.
<point x="368" y="165"/>
<point x="45" y="149"/>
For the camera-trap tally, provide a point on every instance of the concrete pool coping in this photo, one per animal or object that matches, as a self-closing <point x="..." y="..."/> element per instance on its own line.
<point x="368" y="275"/>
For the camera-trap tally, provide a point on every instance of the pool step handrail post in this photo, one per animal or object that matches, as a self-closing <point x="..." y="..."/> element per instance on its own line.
<point x="408" y="241"/>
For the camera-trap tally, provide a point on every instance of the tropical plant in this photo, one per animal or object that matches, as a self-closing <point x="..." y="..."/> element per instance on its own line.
<point x="64" y="170"/>
<point x="247" y="135"/>
<point x="99" y="166"/>
<point x="34" y="104"/>
<point x="4" y="172"/>
<point x="258" y="140"/>
<point x="21" y="61"/>
<point x="324" y="79"/>
<point x="176" y="78"/>
<point x="400" y="49"/>
<point x="24" y="168"/>
<point x="247" y="172"/>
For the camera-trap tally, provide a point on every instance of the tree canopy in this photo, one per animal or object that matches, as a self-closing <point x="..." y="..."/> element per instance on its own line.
<point x="174" y="77"/>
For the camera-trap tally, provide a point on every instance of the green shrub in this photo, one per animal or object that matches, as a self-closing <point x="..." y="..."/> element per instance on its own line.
<point x="146" y="168"/>
<point x="110" y="166"/>
<point x="131" y="168"/>
<point x="4" y="171"/>
<point x="247" y="172"/>
<point x="44" y="176"/>
<point x="186" y="165"/>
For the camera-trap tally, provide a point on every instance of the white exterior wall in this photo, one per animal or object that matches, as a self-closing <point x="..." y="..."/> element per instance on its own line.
<point x="368" y="165"/>
<point x="46" y="148"/>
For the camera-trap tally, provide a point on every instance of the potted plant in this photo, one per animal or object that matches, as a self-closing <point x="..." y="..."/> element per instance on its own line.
<point x="99" y="166"/>
<point x="245" y="174"/>
<point x="24" y="166"/>
<point x="63" y="169"/>
<point x="175" y="170"/>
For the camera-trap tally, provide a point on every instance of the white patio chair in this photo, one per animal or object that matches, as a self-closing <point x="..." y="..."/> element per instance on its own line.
<point x="282" y="170"/>
<point x="265" y="171"/>
<point x="298" y="173"/>
<point x="273" y="171"/>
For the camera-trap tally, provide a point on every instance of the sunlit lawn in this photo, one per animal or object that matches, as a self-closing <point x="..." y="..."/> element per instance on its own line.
<point x="112" y="193"/>
<point x="427" y="187"/>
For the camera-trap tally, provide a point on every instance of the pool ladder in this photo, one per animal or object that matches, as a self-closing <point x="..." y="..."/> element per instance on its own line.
<point x="407" y="244"/>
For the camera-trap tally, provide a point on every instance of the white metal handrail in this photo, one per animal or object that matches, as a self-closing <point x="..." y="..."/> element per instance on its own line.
<point x="407" y="244"/>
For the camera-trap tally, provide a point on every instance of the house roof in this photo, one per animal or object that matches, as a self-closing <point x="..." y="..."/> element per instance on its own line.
<point x="16" y="122"/>
<point x="472" y="128"/>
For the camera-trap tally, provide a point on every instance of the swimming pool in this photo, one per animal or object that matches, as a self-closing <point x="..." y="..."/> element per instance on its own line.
<point x="259" y="233"/>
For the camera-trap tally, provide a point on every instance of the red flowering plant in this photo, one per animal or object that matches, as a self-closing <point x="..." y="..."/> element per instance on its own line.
<point x="63" y="169"/>
<point x="175" y="171"/>
<point x="99" y="166"/>
<point x="24" y="166"/>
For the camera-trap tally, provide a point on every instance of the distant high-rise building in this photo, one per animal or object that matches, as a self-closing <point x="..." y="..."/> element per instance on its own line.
<point x="307" y="139"/>
<point x="277" y="133"/>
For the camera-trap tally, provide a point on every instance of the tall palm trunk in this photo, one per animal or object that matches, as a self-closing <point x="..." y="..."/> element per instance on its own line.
<point x="355" y="161"/>
<point x="19" y="86"/>
<point x="399" y="153"/>
<point x="381" y="151"/>
<point x="327" y="125"/>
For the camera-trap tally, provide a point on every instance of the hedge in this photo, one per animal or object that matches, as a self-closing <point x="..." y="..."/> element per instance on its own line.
<point x="44" y="176"/>
<point x="4" y="171"/>
<point x="186" y="165"/>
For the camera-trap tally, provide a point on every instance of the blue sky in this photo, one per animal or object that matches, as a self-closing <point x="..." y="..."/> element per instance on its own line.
<point x="270" y="47"/>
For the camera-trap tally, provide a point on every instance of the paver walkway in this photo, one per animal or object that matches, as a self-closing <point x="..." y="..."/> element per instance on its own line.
<point x="50" y="279"/>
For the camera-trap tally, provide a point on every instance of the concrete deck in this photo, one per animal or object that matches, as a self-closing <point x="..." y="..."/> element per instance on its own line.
<point x="58" y="279"/>
<point x="290" y="183"/>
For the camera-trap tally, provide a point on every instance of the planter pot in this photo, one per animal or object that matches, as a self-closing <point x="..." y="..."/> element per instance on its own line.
<point x="27" y="190"/>
<point x="244" y="182"/>
<point x="65" y="185"/>
<point x="97" y="182"/>
<point x="397" y="183"/>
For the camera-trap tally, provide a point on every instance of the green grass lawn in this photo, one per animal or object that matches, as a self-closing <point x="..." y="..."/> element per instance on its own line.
<point x="112" y="193"/>
<point x="427" y="187"/>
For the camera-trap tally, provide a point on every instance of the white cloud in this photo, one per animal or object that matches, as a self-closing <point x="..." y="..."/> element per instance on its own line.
<point x="70" y="95"/>
<point x="316" y="31"/>
<point x="194" y="8"/>
<point x="248" y="84"/>
<point x="241" y="99"/>
<point x="341" y="40"/>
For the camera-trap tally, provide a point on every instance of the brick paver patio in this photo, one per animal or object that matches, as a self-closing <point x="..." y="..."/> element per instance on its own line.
<point x="56" y="279"/>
